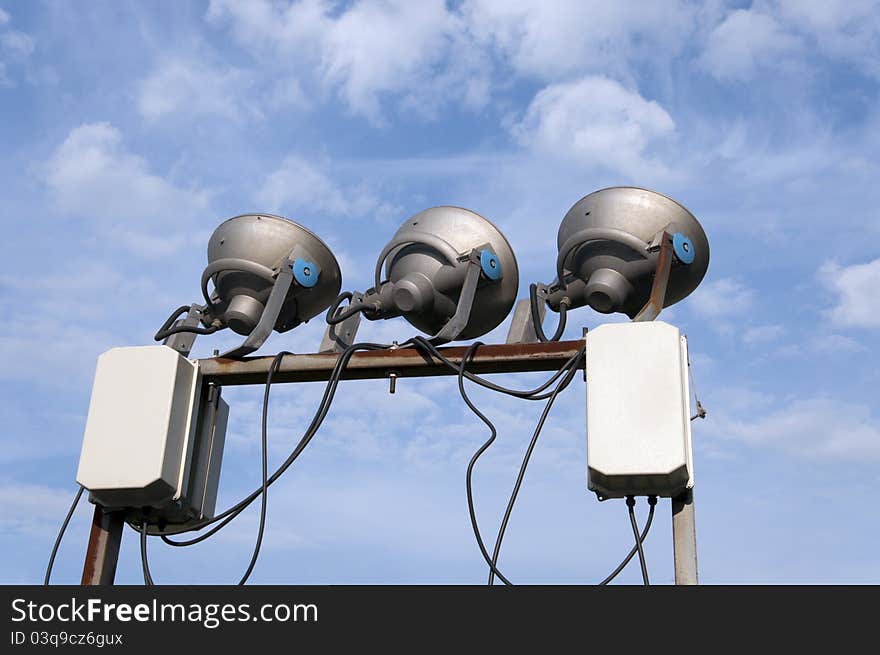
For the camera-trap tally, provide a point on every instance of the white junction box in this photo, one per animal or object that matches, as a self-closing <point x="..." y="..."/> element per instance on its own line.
<point x="154" y="437"/>
<point x="638" y="411"/>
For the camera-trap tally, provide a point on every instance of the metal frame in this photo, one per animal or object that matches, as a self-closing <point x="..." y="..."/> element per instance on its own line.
<point x="378" y="364"/>
<point x="104" y="540"/>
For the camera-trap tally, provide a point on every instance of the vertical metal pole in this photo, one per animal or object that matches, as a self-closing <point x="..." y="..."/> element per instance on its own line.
<point x="684" y="539"/>
<point x="102" y="553"/>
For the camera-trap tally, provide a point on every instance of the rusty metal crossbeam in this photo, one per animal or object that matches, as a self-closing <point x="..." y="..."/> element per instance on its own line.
<point x="402" y="362"/>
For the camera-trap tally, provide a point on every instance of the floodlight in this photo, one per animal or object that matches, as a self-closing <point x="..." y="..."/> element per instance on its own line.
<point x="448" y="271"/>
<point x="268" y="273"/>
<point x="625" y="249"/>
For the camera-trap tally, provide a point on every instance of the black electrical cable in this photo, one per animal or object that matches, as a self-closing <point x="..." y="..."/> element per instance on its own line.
<point x="61" y="532"/>
<point x="236" y="509"/>
<point x="569" y="367"/>
<point x="568" y="370"/>
<point x="533" y="394"/>
<point x="470" y="469"/>
<point x="273" y="368"/>
<point x="166" y="330"/>
<point x="334" y="316"/>
<point x="652" y="501"/>
<point x="228" y="515"/>
<point x="162" y="335"/>
<point x="231" y="513"/>
<point x="563" y="383"/>
<point x="174" y="316"/>
<point x="264" y="446"/>
<point x="321" y="413"/>
<point x="145" y="566"/>
<point x="536" y="318"/>
<point x="630" y="504"/>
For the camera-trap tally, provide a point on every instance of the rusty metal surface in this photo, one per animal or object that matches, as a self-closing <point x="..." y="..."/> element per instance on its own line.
<point x="102" y="553"/>
<point x="404" y="362"/>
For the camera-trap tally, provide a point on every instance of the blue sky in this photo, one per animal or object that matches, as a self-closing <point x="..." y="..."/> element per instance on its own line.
<point x="130" y="130"/>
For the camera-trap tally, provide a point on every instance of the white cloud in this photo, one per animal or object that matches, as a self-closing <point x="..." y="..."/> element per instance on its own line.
<point x="291" y="26"/>
<point x="755" y="158"/>
<point x="763" y="334"/>
<point x="597" y="122"/>
<point x="92" y="175"/>
<point x="39" y="509"/>
<point x="88" y="292"/>
<point x="549" y="40"/>
<point x="288" y="92"/>
<point x="197" y="88"/>
<point x="843" y="29"/>
<point x="856" y="290"/>
<point x="835" y="344"/>
<point x="429" y="55"/>
<point x="299" y="187"/>
<point x="721" y="298"/>
<point x="746" y="41"/>
<point x="54" y="358"/>
<point x="813" y="427"/>
<point x="389" y="47"/>
<point x="364" y="52"/>
<point x="18" y="44"/>
<point x="774" y="34"/>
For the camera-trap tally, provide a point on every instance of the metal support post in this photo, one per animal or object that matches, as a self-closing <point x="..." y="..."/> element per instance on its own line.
<point x="684" y="539"/>
<point x="102" y="553"/>
<point x="183" y="342"/>
<point x="657" y="299"/>
<point x="522" y="329"/>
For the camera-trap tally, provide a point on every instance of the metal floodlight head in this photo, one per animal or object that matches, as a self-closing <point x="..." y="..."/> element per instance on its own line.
<point x="244" y="256"/>
<point x="629" y="250"/>
<point x="268" y="273"/>
<point x="448" y="271"/>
